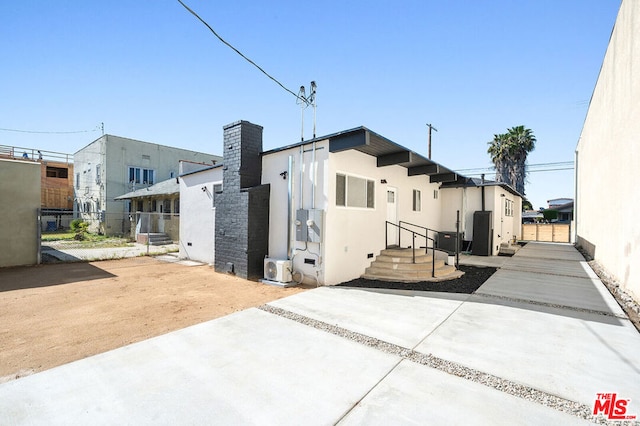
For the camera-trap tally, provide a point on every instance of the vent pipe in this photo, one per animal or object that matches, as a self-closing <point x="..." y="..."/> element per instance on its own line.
<point x="482" y="189"/>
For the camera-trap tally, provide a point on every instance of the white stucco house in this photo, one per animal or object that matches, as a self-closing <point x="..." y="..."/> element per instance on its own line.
<point x="112" y="166"/>
<point x="608" y="158"/>
<point x="329" y="205"/>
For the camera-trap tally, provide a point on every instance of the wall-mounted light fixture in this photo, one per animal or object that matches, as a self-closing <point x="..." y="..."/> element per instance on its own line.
<point x="284" y="174"/>
<point x="383" y="181"/>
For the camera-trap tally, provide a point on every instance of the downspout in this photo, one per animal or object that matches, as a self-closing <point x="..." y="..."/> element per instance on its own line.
<point x="289" y="204"/>
<point x="575" y="199"/>
<point x="301" y="176"/>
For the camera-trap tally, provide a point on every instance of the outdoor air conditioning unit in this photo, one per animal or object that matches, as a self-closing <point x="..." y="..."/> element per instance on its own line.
<point x="277" y="270"/>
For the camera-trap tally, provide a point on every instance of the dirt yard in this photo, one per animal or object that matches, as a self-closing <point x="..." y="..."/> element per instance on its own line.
<point x="54" y="314"/>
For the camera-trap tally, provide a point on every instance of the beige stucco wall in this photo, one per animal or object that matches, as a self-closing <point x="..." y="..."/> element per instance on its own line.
<point x="19" y="203"/>
<point x="608" y="157"/>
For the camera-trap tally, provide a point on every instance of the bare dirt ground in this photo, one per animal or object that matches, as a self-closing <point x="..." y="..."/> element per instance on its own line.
<point x="54" y="314"/>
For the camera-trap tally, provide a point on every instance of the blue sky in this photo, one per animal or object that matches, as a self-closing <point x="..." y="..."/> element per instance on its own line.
<point x="150" y="71"/>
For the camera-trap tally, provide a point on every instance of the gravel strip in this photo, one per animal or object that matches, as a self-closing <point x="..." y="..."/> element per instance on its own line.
<point x="554" y="305"/>
<point x="530" y="394"/>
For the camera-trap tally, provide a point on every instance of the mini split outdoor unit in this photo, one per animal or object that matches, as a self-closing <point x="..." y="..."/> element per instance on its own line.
<point x="277" y="270"/>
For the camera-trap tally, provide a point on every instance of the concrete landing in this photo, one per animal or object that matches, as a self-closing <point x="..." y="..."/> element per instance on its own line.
<point x="534" y="346"/>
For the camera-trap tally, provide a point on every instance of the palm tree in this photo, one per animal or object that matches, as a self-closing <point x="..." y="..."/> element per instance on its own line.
<point x="509" y="152"/>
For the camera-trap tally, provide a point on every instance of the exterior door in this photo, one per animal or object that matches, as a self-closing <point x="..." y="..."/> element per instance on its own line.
<point x="392" y="215"/>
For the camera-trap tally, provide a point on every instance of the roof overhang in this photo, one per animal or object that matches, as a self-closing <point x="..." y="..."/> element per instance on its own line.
<point x="389" y="153"/>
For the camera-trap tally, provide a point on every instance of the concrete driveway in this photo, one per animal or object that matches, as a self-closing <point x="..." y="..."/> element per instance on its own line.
<point x="536" y="344"/>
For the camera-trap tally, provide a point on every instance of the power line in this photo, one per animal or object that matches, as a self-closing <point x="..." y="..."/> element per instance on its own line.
<point x="237" y="51"/>
<point x="530" y="167"/>
<point x="50" y="132"/>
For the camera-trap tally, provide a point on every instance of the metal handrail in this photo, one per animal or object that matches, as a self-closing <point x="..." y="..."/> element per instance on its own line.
<point x="400" y="222"/>
<point x="20" y="153"/>
<point x="413" y="245"/>
<point x="457" y="243"/>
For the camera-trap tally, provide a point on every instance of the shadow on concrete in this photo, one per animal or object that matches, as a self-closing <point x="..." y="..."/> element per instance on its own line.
<point x="23" y="277"/>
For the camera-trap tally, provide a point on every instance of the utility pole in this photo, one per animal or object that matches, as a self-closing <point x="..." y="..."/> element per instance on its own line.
<point x="430" y="128"/>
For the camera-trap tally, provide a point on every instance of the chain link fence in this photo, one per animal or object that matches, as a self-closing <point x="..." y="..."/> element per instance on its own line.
<point x="106" y="235"/>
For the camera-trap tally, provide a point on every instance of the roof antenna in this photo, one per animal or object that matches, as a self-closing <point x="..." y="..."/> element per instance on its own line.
<point x="304" y="102"/>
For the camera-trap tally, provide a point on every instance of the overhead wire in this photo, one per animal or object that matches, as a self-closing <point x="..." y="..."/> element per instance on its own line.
<point x="50" y="132"/>
<point x="238" y="52"/>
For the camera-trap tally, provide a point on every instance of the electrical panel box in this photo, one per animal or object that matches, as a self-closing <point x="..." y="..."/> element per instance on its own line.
<point x="301" y="224"/>
<point x="309" y="225"/>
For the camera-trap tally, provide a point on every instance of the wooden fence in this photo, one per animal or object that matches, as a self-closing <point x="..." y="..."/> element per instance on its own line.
<point x="547" y="232"/>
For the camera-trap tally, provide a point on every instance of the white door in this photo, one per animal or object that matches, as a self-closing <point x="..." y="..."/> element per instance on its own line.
<point x="392" y="215"/>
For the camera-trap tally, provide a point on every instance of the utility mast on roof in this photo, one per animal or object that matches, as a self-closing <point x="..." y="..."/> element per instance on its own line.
<point x="430" y="128"/>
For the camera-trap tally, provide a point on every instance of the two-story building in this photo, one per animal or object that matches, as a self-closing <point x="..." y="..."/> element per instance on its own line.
<point x="112" y="166"/>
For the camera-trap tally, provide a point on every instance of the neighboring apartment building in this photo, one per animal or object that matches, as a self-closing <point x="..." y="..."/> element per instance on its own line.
<point x="608" y="158"/>
<point x="112" y="166"/>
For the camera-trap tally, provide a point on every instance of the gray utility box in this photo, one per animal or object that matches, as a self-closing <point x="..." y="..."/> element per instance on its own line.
<point x="447" y="241"/>
<point x="309" y="225"/>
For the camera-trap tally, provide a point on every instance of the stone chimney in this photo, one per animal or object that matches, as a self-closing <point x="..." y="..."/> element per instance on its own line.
<point x="242" y="209"/>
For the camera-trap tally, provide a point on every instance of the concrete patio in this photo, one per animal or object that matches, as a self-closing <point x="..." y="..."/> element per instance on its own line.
<point x="534" y="345"/>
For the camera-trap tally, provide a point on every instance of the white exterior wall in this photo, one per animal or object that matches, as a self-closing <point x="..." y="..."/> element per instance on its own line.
<point x="272" y="166"/>
<point x="608" y="157"/>
<point x="197" y="215"/>
<point x="357" y="233"/>
<point x="469" y="200"/>
<point x="115" y="155"/>
<point x="350" y="234"/>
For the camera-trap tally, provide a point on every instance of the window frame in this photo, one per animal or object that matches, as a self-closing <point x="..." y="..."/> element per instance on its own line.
<point x="350" y="201"/>
<point x="417" y="200"/>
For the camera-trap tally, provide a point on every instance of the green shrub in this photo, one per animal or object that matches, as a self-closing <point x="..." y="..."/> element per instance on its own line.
<point x="80" y="227"/>
<point x="550" y="214"/>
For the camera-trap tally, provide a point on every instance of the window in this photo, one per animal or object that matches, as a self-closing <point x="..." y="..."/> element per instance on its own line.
<point x="176" y="206"/>
<point x="353" y="191"/>
<point x="138" y="175"/>
<point x="140" y="207"/>
<point x="508" y="207"/>
<point x="435" y="194"/>
<point x="417" y="203"/>
<point x="57" y="172"/>
<point x="98" y="177"/>
<point x="77" y="180"/>
<point x="167" y="208"/>
<point x="147" y="176"/>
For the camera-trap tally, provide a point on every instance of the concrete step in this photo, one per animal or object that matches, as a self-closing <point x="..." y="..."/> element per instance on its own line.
<point x="391" y="259"/>
<point x="508" y="249"/>
<point x="155" y="239"/>
<point x="441" y="274"/>
<point x="403" y="252"/>
<point x="406" y="266"/>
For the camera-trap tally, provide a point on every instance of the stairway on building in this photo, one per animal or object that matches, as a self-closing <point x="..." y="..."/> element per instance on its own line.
<point x="396" y="264"/>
